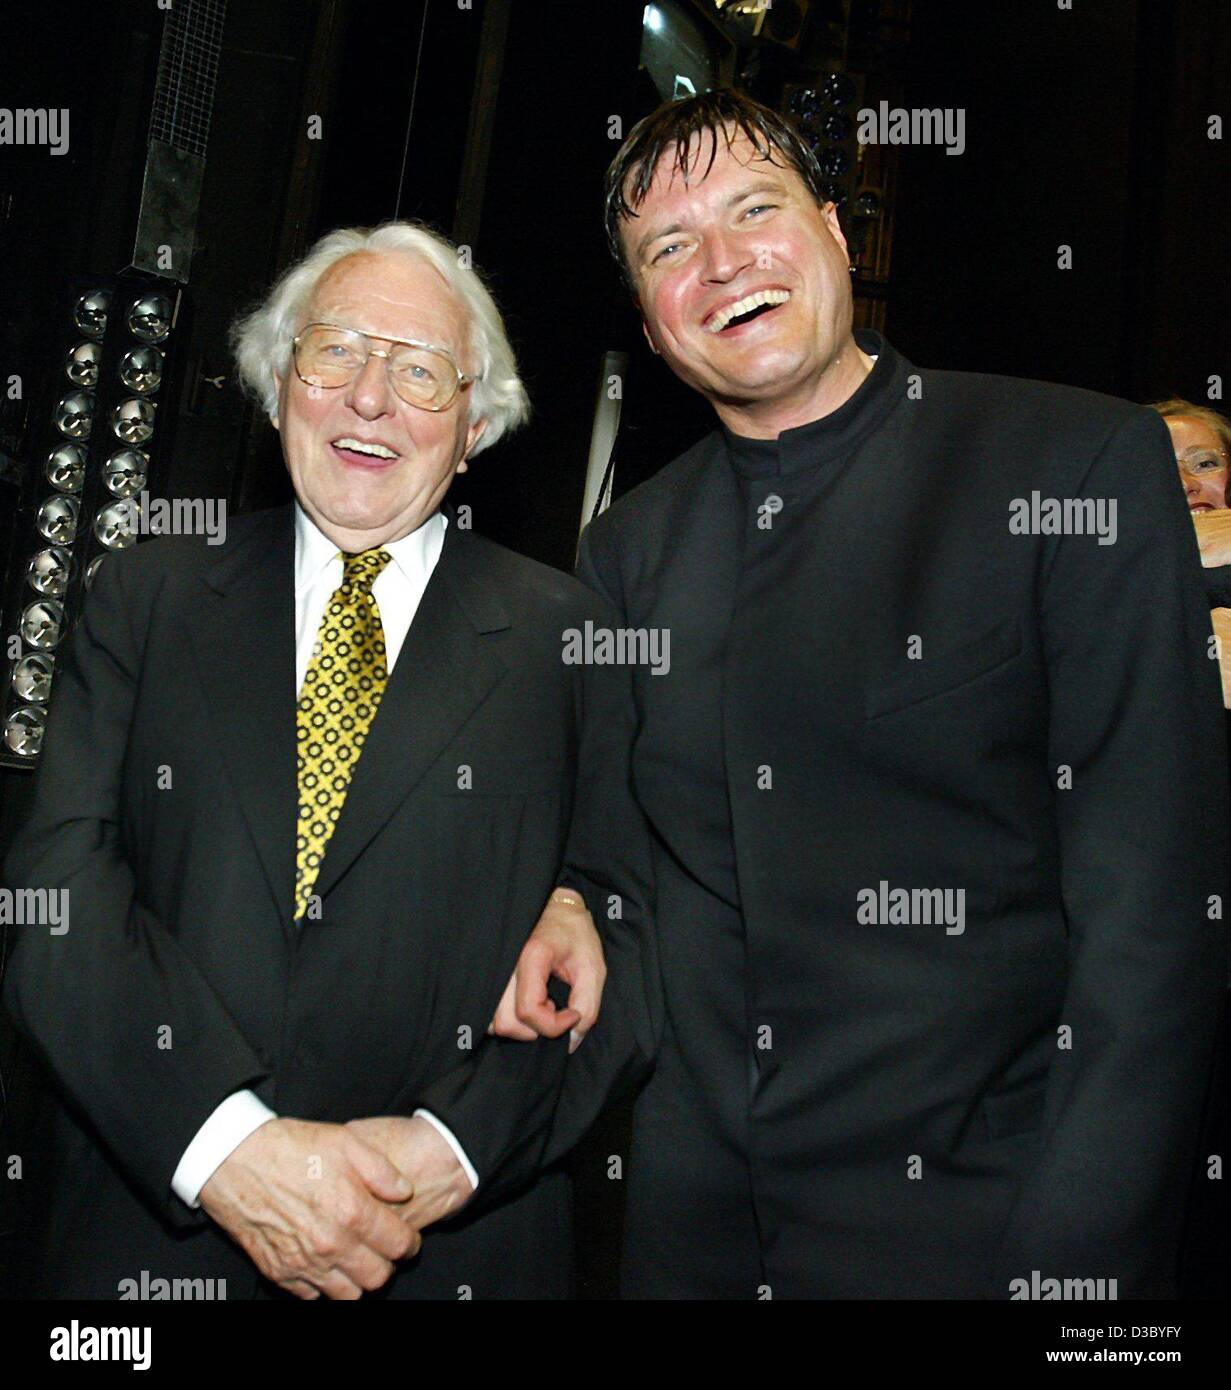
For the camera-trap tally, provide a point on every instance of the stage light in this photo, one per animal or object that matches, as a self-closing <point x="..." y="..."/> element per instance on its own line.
<point x="149" y="319"/>
<point x="124" y="473"/>
<point x="116" y="525"/>
<point x="133" y="421"/>
<point x="836" y="127"/>
<point x="141" y="370"/>
<point x="23" y="731"/>
<point x="74" y="415"/>
<point x="806" y="105"/>
<point x="838" y="89"/>
<point x="42" y="624"/>
<point x="745" y="9"/>
<point x="82" y="365"/>
<point x="49" y="571"/>
<point x="57" y="519"/>
<point x="32" y="676"/>
<point x="66" y="467"/>
<point x="103" y="439"/>
<point x="90" y="315"/>
<point x="867" y="204"/>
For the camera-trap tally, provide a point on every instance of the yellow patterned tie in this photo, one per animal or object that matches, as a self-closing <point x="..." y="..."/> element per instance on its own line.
<point x="341" y="692"/>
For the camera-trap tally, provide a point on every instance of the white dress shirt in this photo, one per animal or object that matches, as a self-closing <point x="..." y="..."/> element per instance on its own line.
<point x="397" y="590"/>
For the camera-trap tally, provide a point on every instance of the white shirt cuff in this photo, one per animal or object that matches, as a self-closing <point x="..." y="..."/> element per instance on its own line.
<point x="451" y="1139"/>
<point x="225" y="1130"/>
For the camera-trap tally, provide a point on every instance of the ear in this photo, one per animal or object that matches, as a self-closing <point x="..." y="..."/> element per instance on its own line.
<point x="649" y="337"/>
<point x="830" y="213"/>
<point x="273" y="419"/>
<point x="473" y="435"/>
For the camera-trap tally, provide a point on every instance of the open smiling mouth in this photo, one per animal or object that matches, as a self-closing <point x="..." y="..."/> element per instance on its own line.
<point x="369" y="453"/>
<point x="753" y="306"/>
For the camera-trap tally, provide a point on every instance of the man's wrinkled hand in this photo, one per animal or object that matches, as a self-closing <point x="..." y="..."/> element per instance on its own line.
<point x="1214" y="537"/>
<point x="314" y="1207"/>
<point x="420" y="1153"/>
<point x="563" y="943"/>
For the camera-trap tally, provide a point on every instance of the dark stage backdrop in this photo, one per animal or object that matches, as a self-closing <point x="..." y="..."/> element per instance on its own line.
<point x="1085" y="127"/>
<point x="1088" y="128"/>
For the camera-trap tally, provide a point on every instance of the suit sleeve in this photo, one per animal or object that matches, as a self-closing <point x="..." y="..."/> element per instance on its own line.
<point x="1218" y="585"/>
<point x="519" y="1107"/>
<point x="609" y="862"/>
<point x="1135" y="712"/>
<point x="127" y="1024"/>
<point x="499" y="1106"/>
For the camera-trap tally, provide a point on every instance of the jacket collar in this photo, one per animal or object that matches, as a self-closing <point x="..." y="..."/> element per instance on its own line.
<point x="243" y="638"/>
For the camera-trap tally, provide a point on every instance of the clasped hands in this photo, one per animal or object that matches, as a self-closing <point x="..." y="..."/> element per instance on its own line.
<point x="330" y="1209"/>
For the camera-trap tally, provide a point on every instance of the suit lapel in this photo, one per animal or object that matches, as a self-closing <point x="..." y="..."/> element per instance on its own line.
<point x="448" y="665"/>
<point x="243" y="636"/>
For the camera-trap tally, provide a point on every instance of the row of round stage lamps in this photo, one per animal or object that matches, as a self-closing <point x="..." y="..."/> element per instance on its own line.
<point x="823" y="116"/>
<point x="59" y="522"/>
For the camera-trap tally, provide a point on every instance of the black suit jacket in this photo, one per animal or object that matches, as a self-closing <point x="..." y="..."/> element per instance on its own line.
<point x="1087" y="901"/>
<point x="166" y="804"/>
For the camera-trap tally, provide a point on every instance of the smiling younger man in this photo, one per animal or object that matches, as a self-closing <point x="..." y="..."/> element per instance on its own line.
<point x="310" y="792"/>
<point x="938" y="824"/>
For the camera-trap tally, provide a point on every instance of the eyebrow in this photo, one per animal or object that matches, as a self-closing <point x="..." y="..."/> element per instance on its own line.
<point x="762" y="185"/>
<point x="381" y="338"/>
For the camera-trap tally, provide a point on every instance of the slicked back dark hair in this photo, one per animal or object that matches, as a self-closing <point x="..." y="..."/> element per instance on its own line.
<point x="677" y="129"/>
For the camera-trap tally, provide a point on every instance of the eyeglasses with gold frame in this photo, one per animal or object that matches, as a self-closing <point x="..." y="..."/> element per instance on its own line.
<point x="425" y="375"/>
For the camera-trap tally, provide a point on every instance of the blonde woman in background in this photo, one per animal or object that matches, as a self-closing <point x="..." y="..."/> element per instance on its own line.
<point x="1202" y="439"/>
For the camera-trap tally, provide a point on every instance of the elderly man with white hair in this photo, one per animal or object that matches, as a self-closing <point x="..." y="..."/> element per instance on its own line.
<point x="309" y="792"/>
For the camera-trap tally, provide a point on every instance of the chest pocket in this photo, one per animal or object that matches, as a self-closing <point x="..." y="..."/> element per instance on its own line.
<point x="938" y="675"/>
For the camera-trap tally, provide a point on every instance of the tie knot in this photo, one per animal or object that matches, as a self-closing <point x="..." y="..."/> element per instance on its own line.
<point x="360" y="571"/>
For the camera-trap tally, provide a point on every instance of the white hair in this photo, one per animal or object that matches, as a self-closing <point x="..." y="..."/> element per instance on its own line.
<point x="262" y="339"/>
